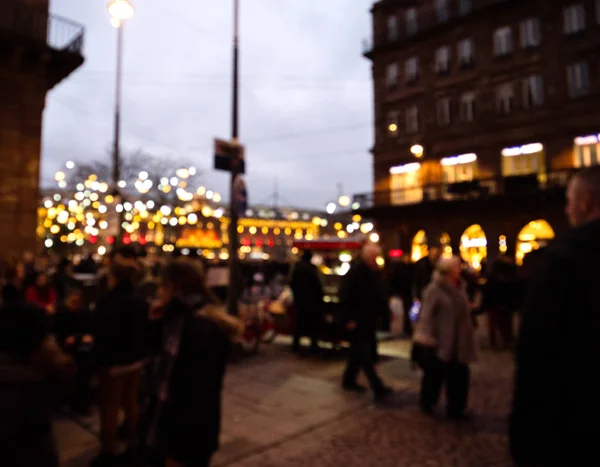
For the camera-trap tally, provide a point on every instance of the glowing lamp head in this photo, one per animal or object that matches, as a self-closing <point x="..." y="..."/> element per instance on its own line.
<point x="121" y="10"/>
<point x="417" y="150"/>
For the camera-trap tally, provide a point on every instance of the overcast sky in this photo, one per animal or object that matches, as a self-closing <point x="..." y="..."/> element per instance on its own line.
<point x="306" y="93"/>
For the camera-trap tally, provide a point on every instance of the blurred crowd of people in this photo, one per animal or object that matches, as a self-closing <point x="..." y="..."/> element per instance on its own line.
<point x="148" y="342"/>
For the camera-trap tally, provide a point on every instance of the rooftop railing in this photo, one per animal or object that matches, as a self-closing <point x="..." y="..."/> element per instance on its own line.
<point x="28" y="23"/>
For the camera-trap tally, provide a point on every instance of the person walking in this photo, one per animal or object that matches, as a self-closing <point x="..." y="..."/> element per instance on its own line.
<point x="120" y="348"/>
<point x="362" y="300"/>
<point x="192" y="334"/>
<point x="307" y="291"/>
<point x="33" y="373"/>
<point x="446" y="337"/>
<point x="556" y="405"/>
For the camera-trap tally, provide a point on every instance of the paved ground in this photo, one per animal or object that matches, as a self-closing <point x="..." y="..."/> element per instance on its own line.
<point x="280" y="410"/>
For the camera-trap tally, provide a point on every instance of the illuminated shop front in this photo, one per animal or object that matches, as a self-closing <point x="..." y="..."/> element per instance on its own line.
<point x="419" y="246"/>
<point x="405" y="184"/>
<point x="473" y="246"/>
<point x="533" y="236"/>
<point x="586" y="151"/>
<point x="528" y="159"/>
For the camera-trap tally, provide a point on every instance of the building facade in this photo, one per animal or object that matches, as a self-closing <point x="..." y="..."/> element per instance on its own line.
<point x="37" y="51"/>
<point x="483" y="109"/>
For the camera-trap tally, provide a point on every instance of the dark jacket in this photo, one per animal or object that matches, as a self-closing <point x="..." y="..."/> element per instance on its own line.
<point x="423" y="272"/>
<point x="28" y="392"/>
<point x="25" y="424"/>
<point x="556" y="404"/>
<point x="120" y="328"/>
<point x="363" y="300"/>
<point x="67" y="323"/>
<point x="190" y="421"/>
<point x="308" y="295"/>
<point x="11" y="294"/>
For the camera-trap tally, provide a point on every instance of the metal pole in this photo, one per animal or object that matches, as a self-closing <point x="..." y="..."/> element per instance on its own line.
<point x="234" y="262"/>
<point x="117" y="133"/>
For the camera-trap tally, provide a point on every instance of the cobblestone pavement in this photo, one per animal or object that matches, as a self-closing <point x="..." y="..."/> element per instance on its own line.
<point x="280" y="410"/>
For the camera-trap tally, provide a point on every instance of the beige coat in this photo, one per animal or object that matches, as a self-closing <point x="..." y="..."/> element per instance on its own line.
<point x="445" y="323"/>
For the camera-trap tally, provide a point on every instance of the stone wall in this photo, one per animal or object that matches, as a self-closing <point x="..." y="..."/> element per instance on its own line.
<point x="22" y="99"/>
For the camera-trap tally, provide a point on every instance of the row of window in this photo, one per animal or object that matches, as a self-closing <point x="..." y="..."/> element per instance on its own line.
<point x="411" y="17"/>
<point x="530" y="36"/>
<point x="532" y="95"/>
<point x="574" y="21"/>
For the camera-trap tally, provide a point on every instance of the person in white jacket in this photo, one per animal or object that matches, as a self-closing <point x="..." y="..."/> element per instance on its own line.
<point x="446" y="334"/>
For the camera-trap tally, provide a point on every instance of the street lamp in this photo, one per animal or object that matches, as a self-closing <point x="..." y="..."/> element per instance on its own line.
<point x="120" y="10"/>
<point x="417" y="150"/>
<point x="234" y="261"/>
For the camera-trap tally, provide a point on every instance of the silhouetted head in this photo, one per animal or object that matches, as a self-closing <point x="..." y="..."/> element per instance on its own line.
<point x="583" y="197"/>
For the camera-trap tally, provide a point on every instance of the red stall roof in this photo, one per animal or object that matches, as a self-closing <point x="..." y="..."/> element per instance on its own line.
<point x="327" y="244"/>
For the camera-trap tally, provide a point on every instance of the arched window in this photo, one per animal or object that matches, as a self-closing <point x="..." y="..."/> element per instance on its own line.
<point x="473" y="246"/>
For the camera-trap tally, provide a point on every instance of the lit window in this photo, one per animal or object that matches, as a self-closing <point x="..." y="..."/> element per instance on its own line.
<point x="392" y="28"/>
<point x="412" y="119"/>
<point x="411" y="70"/>
<point x="465" y="52"/>
<point x="441" y="8"/>
<point x="505" y="96"/>
<point x="391" y="75"/>
<point x="531" y="35"/>
<point x="574" y="18"/>
<point x="533" y="91"/>
<point x="578" y="79"/>
<point x="467" y="107"/>
<point x="442" y="60"/>
<point x="443" y="111"/>
<point x="523" y="160"/>
<point x="410" y="19"/>
<point x="587" y="151"/>
<point x="503" y="41"/>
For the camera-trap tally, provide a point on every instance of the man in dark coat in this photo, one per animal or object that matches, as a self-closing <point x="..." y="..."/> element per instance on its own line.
<point x="556" y="405"/>
<point x="423" y="271"/>
<point x="308" y="300"/>
<point x="363" y="302"/>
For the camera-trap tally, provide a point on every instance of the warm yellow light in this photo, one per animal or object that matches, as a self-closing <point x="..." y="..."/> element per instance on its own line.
<point x="316" y="220"/>
<point x="337" y="226"/>
<point x="374" y="237"/>
<point x="417" y="150"/>
<point x="288" y="231"/>
<point x="356" y="218"/>
<point x="277" y="231"/>
<point x="59" y="176"/>
<point x="342" y="234"/>
<point x="240" y="229"/>
<point x="380" y="261"/>
<point x="344" y="201"/>
<point x="54" y="229"/>
<point x="393" y="127"/>
<point x="109" y="199"/>
<point x="206" y="211"/>
<point x="121" y="9"/>
<point x="265" y="230"/>
<point x="252" y="230"/>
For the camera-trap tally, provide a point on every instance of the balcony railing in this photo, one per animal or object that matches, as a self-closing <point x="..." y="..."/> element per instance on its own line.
<point x="428" y="19"/>
<point x="32" y="24"/>
<point x="473" y="189"/>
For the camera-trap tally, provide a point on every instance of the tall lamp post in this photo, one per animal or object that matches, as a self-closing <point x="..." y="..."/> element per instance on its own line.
<point x="120" y="11"/>
<point x="234" y="261"/>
